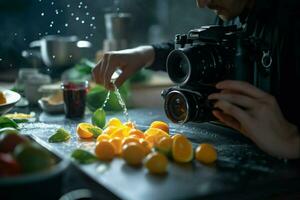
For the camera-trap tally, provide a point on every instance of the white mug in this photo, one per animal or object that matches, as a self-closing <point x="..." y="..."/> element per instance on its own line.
<point x="32" y="85"/>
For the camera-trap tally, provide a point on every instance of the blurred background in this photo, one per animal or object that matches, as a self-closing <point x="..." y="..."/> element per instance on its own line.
<point x="23" y="21"/>
<point x="149" y="21"/>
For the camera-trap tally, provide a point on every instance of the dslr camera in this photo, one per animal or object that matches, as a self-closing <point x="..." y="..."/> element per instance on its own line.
<point x="200" y="59"/>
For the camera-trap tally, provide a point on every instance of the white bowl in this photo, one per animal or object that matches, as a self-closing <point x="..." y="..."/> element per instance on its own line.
<point x="49" y="108"/>
<point x="11" y="99"/>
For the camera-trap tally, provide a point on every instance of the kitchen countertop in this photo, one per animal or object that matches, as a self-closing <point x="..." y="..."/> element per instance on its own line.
<point x="241" y="172"/>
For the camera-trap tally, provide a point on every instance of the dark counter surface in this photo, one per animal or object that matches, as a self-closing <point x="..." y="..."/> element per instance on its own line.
<point x="241" y="172"/>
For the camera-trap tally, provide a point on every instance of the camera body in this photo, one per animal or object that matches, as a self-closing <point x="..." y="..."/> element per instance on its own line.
<point x="200" y="59"/>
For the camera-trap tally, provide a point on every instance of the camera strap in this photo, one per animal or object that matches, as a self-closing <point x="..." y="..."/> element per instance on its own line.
<point x="262" y="60"/>
<point x="263" y="47"/>
<point x="263" y="64"/>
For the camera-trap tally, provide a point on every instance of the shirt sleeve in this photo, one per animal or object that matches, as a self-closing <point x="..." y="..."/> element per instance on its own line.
<point x="161" y="52"/>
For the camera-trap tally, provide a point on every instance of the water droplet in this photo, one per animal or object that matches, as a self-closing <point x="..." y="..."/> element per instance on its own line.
<point x="77" y="18"/>
<point x="52" y="22"/>
<point x="61" y="11"/>
<point x="56" y="11"/>
<point x="87" y="13"/>
<point x="82" y="21"/>
<point x="52" y="3"/>
<point x="46" y="33"/>
<point x="58" y="31"/>
<point x="48" y="70"/>
<point x="85" y="7"/>
<point x="94" y="27"/>
<point x="42" y="14"/>
<point x="30" y="54"/>
<point x="24" y="39"/>
<point x="80" y="3"/>
<point x="91" y="34"/>
<point x="68" y="6"/>
<point x="51" y="25"/>
<point x="79" y="6"/>
<point x="53" y="56"/>
<point x="40" y="34"/>
<point x="10" y="65"/>
<point x="70" y="56"/>
<point x="91" y="25"/>
<point x="86" y="37"/>
<point x="66" y="25"/>
<point x="16" y="34"/>
<point x="0" y="59"/>
<point x="40" y="0"/>
<point x="93" y="18"/>
<point x="72" y="14"/>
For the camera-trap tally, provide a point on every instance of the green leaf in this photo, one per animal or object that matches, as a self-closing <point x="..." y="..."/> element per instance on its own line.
<point x="61" y="135"/>
<point x="96" y="131"/>
<point x="6" y="122"/>
<point x="21" y="120"/>
<point x="85" y="66"/>
<point x="83" y="156"/>
<point x="99" y="118"/>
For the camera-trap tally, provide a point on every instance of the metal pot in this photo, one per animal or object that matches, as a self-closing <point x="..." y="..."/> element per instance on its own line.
<point x="118" y="26"/>
<point x="59" y="51"/>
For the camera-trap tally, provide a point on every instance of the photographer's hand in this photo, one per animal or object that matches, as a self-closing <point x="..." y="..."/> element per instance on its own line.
<point x="129" y="61"/>
<point x="257" y="115"/>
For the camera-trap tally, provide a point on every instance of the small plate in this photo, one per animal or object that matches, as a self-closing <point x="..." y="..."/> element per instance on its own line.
<point x="11" y="99"/>
<point x="49" y="108"/>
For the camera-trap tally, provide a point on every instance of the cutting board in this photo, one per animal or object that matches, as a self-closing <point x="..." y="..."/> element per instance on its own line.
<point x="241" y="171"/>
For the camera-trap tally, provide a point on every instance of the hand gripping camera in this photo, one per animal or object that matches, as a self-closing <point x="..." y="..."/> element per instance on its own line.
<point x="201" y="59"/>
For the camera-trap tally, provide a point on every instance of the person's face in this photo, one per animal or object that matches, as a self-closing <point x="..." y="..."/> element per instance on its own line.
<point x="225" y="9"/>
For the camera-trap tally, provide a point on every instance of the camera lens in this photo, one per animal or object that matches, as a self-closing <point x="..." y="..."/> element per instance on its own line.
<point x="178" y="67"/>
<point x="184" y="105"/>
<point x="199" y="64"/>
<point x="177" y="107"/>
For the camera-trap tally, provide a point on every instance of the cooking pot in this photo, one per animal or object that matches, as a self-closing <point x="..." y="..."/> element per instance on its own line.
<point x="60" y="51"/>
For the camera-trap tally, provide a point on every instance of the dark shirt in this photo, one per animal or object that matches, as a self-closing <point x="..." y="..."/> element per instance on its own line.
<point x="277" y="23"/>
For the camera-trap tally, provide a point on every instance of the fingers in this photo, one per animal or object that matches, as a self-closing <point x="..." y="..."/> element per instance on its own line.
<point x="122" y="78"/>
<point x="241" y="87"/>
<point x="96" y="73"/>
<point x="129" y="61"/>
<point x="104" y="69"/>
<point x="111" y="67"/>
<point x="98" y="70"/>
<point x="227" y="120"/>
<point x="237" y="99"/>
<point x="233" y="111"/>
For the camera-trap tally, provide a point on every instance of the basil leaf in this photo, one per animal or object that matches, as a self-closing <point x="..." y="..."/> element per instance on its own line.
<point x="61" y="135"/>
<point x="83" y="156"/>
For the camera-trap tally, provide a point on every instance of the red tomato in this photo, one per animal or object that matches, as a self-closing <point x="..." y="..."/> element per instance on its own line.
<point x="9" y="141"/>
<point x="8" y="165"/>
